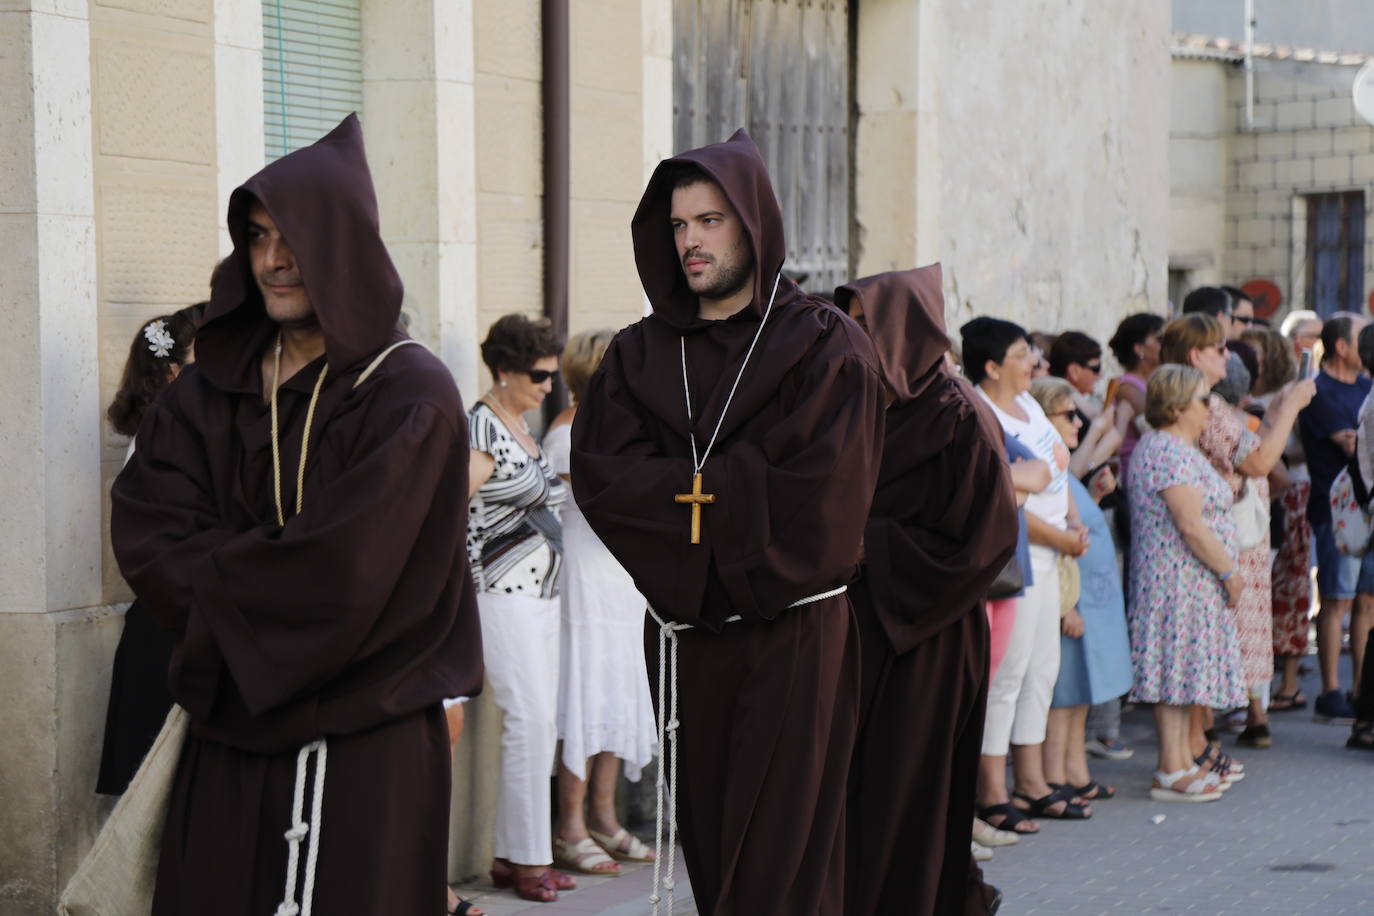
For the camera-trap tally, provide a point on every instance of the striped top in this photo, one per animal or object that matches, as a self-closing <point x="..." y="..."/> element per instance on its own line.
<point x="515" y="541"/>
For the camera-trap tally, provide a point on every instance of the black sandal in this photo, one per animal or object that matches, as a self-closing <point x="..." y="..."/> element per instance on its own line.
<point x="464" y="907"/>
<point x="1011" y="817"/>
<point x="1283" y="702"/>
<point x="1089" y="791"/>
<point x="1361" y="737"/>
<point x="1040" y="807"/>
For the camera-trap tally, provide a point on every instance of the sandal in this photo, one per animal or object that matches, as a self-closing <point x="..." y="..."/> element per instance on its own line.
<point x="1092" y="790"/>
<point x="1361" y="737"/>
<point x="1012" y="818"/>
<point x="561" y="881"/>
<point x="1225" y="766"/>
<point x="584" y="856"/>
<point x="1198" y="788"/>
<point x="466" y="908"/>
<point x="623" y="845"/>
<point x="1283" y="702"/>
<point x="1040" y="807"/>
<point x="984" y="834"/>
<point x="539" y="888"/>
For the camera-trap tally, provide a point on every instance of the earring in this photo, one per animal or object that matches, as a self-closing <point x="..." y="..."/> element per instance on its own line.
<point x="501" y="384"/>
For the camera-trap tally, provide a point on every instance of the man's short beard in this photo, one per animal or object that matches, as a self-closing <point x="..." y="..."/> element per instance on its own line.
<point x="733" y="276"/>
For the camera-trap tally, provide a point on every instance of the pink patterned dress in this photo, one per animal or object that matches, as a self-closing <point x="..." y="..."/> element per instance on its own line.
<point x="1227" y="443"/>
<point x="1292" y="573"/>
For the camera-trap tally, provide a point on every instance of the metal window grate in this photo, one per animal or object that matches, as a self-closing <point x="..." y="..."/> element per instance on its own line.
<point x="1335" y="252"/>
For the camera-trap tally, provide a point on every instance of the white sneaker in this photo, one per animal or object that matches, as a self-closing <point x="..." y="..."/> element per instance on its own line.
<point x="988" y="835"/>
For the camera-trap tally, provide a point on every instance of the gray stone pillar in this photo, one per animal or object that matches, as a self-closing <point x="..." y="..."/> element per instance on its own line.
<point x="53" y="630"/>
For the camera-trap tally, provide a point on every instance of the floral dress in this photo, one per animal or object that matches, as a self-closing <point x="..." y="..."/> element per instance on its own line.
<point x="1292" y="569"/>
<point x="1184" y="648"/>
<point x="1227" y="443"/>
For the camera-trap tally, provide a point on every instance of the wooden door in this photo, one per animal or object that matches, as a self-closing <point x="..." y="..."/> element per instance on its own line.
<point x="779" y="69"/>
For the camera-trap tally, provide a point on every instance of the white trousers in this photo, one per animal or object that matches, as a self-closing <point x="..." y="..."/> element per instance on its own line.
<point x="1020" y="693"/>
<point x="520" y="648"/>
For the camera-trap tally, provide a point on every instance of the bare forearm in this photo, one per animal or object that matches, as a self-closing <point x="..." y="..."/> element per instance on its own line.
<point x="1043" y="533"/>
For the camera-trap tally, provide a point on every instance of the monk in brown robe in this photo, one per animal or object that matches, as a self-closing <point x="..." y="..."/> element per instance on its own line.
<point x="340" y="613"/>
<point x="943" y="524"/>
<point x="787" y="441"/>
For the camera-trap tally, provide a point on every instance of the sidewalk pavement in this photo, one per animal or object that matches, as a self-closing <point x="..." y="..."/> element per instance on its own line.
<point x="1296" y="836"/>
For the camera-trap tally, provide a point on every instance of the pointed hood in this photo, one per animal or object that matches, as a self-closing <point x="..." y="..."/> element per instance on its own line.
<point x="322" y="199"/>
<point x="905" y="313"/>
<point x="737" y="166"/>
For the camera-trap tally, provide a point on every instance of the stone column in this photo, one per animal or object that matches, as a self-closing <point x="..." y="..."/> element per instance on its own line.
<point x="51" y="623"/>
<point x="240" y="145"/>
<point x="418" y="116"/>
<point x="896" y="146"/>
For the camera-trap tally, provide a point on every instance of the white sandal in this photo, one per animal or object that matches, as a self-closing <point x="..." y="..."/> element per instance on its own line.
<point x="1198" y="788"/>
<point x="984" y="834"/>
<point x="583" y="856"/>
<point x="624" y="846"/>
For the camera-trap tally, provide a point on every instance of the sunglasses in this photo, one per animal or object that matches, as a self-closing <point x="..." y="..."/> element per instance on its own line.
<point x="540" y="376"/>
<point x="1204" y="399"/>
<point x="1243" y="319"/>
<point x="1071" y="415"/>
<point x="1094" y="368"/>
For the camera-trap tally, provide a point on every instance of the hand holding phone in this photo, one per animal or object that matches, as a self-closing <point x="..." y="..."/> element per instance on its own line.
<point x="1305" y="366"/>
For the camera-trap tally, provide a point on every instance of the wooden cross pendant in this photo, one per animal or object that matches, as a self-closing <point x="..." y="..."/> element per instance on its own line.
<point x="697" y="499"/>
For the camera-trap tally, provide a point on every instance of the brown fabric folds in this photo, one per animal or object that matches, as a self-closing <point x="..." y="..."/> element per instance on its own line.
<point x="943" y="521"/>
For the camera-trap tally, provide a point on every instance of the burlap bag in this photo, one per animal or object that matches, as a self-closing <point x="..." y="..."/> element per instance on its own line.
<point x="116" y="878"/>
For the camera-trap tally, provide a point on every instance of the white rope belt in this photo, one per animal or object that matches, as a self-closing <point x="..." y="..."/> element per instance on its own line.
<point x="667" y="729"/>
<point x="300" y="829"/>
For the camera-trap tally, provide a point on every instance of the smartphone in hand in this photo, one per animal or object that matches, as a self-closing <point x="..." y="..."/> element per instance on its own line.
<point x="1305" y="366"/>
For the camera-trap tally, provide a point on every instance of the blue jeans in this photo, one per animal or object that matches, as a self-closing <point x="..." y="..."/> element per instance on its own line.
<point x="1338" y="574"/>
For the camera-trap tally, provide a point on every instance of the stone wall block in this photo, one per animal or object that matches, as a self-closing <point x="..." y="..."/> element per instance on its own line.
<point x="1352" y="140"/>
<point x="1331" y="170"/>
<point x="1337" y="112"/>
<point x="394" y="48"/>
<point x="509" y="131"/>
<point x="885" y="202"/>
<point x="151" y="101"/>
<point x="1258" y="174"/>
<point x="61" y="105"/>
<point x="1239" y="262"/>
<point x="1242" y="203"/>
<point x="454" y="58"/>
<point x="18" y="191"/>
<point x="1271" y="261"/>
<point x="1196" y="164"/>
<point x="239" y="24"/>
<point x="1272" y="203"/>
<point x="458" y="338"/>
<point x="1274" y="146"/>
<point x="157" y="245"/>
<point x="1362" y="168"/>
<point x="1313" y="143"/>
<point x="189" y="10"/>
<point x="1293" y="172"/>
<point x="455" y="113"/>
<point x="1242" y="147"/>
<point x="604" y="32"/>
<point x="508" y="41"/>
<point x="603" y="264"/>
<point x="605" y="148"/>
<point x="1291" y="115"/>
<point x="240" y="143"/>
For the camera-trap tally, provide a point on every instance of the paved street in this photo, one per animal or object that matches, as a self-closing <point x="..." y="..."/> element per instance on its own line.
<point x="1295" y="837"/>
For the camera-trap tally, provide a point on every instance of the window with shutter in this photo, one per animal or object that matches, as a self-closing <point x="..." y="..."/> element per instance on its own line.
<point x="312" y="69"/>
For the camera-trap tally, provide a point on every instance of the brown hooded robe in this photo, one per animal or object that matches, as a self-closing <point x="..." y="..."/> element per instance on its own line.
<point x="943" y="523"/>
<point x="767" y="704"/>
<point x="350" y="623"/>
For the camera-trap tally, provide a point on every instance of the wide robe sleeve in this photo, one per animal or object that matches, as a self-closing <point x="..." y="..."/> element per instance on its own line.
<point x="791" y="496"/>
<point x="284" y="611"/>
<point x="931" y="559"/>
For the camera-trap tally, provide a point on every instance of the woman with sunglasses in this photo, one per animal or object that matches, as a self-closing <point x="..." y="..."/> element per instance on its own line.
<point x="1184" y="646"/>
<point x="1244" y="460"/>
<point x="515" y="544"/>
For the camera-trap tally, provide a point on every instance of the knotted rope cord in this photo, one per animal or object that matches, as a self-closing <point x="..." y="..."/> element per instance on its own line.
<point x="299" y="829"/>
<point x="667" y="729"/>
<point x="697" y="465"/>
<point x="320" y="748"/>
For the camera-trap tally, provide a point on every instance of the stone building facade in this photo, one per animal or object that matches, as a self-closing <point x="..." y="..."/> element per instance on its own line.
<point x="1037" y="179"/>
<point x="1245" y="200"/>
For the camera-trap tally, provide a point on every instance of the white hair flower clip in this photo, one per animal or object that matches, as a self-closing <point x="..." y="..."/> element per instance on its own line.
<point x="159" y="341"/>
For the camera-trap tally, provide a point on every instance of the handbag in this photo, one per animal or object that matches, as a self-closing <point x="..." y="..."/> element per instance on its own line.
<point x="1009" y="581"/>
<point x="1070" y="583"/>
<point x="1351" y="524"/>
<point x="118" y="875"/>
<point x="1251" y="516"/>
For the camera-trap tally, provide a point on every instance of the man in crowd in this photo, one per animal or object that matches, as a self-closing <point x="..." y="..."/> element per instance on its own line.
<point x="1327" y="427"/>
<point x="942" y="525"/>
<point x="295" y="513"/>
<point x="726" y="452"/>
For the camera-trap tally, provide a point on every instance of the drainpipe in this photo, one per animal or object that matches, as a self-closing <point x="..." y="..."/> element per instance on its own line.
<point x="1249" y="65"/>
<point x="556" y="73"/>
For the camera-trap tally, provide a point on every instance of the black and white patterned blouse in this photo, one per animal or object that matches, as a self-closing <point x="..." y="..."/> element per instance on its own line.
<point x="515" y="541"/>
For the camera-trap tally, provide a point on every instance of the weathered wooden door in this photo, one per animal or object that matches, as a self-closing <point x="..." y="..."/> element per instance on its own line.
<point x="779" y="69"/>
